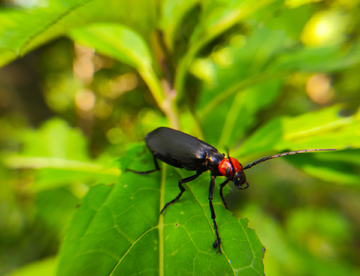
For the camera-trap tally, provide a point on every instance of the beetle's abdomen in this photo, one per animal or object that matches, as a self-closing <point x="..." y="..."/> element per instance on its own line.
<point x="179" y="149"/>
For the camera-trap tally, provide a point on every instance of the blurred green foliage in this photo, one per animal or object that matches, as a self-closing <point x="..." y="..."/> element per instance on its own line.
<point x="81" y="84"/>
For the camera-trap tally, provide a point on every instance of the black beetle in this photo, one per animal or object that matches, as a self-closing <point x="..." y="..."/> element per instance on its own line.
<point x="182" y="150"/>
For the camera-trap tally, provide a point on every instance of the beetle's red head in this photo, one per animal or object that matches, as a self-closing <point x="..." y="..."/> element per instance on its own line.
<point x="232" y="169"/>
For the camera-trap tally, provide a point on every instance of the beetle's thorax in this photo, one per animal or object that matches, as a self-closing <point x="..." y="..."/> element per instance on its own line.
<point x="230" y="167"/>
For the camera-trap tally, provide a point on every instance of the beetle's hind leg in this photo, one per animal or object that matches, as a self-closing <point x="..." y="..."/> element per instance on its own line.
<point x="182" y="189"/>
<point x="157" y="168"/>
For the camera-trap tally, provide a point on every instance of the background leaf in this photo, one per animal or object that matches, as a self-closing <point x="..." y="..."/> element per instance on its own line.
<point x="44" y="267"/>
<point x="313" y="130"/>
<point x="127" y="46"/>
<point x="24" y="30"/>
<point x="59" y="154"/>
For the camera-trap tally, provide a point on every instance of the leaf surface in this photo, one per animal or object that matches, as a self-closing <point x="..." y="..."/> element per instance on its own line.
<point x="118" y="230"/>
<point x="27" y="29"/>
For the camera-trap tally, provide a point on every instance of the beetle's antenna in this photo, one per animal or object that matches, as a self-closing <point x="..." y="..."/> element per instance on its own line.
<point x="282" y="154"/>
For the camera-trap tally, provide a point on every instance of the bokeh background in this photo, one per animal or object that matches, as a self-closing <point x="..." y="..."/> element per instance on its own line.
<point x="82" y="80"/>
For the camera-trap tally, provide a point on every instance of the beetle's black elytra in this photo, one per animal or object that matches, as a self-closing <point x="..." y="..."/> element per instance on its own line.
<point x="182" y="150"/>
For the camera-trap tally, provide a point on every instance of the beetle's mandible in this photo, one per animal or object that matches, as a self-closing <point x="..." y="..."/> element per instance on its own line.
<point x="181" y="150"/>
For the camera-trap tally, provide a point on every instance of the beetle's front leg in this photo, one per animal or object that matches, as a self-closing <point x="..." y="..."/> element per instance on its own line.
<point x="222" y="185"/>
<point x="212" y="211"/>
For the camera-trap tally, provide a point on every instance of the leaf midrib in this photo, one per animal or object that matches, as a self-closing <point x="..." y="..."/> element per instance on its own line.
<point x="161" y="221"/>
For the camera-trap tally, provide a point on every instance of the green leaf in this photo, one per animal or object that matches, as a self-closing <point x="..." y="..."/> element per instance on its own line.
<point x="55" y="207"/>
<point x="261" y="141"/>
<point x="317" y="59"/>
<point x="328" y="167"/>
<point x="237" y="114"/>
<point x="45" y="267"/>
<point x="126" y="46"/>
<point x="56" y="139"/>
<point x="325" y="128"/>
<point x="24" y="30"/>
<point x="55" y="172"/>
<point x="268" y="53"/>
<point x="292" y="20"/>
<point x="59" y="155"/>
<point x="116" y="41"/>
<point x="215" y="20"/>
<point x="119" y="227"/>
<point x="242" y="85"/>
<point x="172" y="14"/>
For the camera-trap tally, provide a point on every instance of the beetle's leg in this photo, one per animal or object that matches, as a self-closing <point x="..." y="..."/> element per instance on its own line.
<point x="211" y="193"/>
<point x="157" y="168"/>
<point x="182" y="189"/>
<point x="222" y="185"/>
